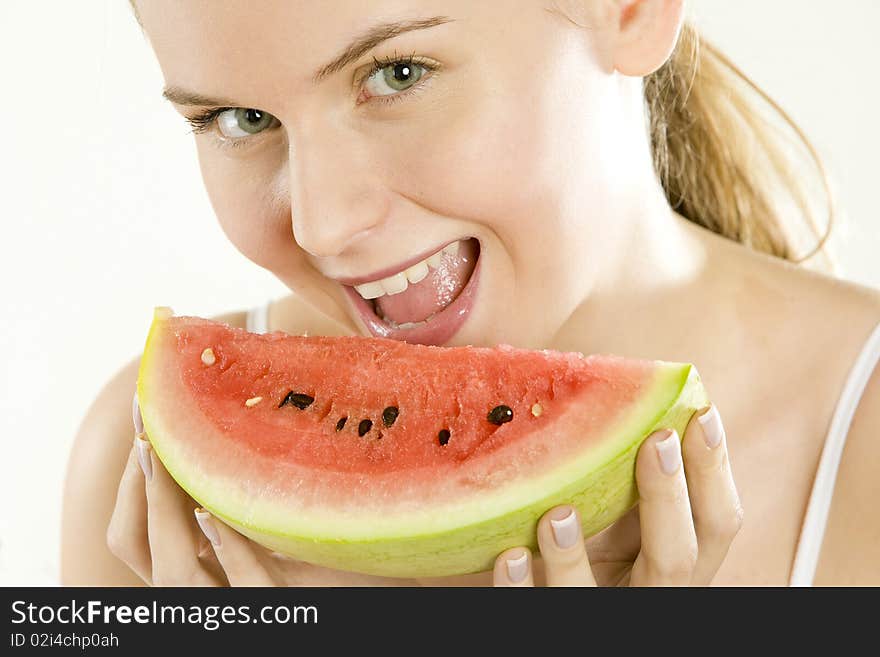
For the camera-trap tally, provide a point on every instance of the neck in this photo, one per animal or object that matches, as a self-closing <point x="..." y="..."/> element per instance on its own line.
<point x="654" y="272"/>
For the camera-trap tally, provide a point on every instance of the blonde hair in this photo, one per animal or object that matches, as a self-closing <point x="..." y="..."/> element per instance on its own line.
<point x="722" y="160"/>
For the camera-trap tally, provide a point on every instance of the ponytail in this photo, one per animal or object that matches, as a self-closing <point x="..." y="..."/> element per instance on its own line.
<point x="722" y="162"/>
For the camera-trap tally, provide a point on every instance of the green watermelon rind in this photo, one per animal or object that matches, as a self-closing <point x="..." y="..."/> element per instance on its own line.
<point x="464" y="539"/>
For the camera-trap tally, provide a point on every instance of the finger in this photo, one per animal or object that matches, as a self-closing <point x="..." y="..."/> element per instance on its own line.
<point x="235" y="552"/>
<point x="561" y="541"/>
<point x="127" y="532"/>
<point x="174" y="538"/>
<point x="669" y="544"/>
<point x="714" y="499"/>
<point x="513" y="568"/>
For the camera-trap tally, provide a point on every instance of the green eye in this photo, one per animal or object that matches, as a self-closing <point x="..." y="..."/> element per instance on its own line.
<point x="393" y="78"/>
<point x="242" y="122"/>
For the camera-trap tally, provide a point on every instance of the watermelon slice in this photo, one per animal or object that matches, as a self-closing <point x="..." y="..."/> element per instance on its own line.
<point x="388" y="458"/>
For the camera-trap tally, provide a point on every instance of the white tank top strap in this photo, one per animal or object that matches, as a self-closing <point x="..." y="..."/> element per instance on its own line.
<point x="816" y="517"/>
<point x="258" y="318"/>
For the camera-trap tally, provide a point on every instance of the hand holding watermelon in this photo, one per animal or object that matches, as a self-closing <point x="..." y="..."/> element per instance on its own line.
<point x="385" y="458"/>
<point x="155" y="526"/>
<point x="688" y="514"/>
<point x="679" y="534"/>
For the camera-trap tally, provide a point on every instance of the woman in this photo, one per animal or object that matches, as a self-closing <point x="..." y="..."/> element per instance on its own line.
<point x="341" y="147"/>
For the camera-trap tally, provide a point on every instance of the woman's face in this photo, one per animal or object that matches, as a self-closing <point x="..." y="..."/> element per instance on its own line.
<point x="495" y="129"/>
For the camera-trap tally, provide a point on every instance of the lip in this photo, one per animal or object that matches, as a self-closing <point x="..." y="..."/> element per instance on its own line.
<point x="437" y="331"/>
<point x="394" y="269"/>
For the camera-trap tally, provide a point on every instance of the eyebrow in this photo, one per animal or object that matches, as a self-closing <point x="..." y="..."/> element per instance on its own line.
<point x="372" y="38"/>
<point x="180" y="96"/>
<point x="360" y="45"/>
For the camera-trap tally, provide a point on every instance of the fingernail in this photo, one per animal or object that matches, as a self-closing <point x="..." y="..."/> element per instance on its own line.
<point x="669" y="451"/>
<point x="565" y="529"/>
<point x="136" y="414"/>
<point x="518" y="569"/>
<point x="143" y="453"/>
<point x="713" y="430"/>
<point x="206" y="524"/>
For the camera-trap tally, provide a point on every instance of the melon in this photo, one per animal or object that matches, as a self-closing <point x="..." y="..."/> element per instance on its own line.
<point x="381" y="457"/>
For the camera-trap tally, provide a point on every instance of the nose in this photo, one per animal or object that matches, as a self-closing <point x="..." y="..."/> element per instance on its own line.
<point x="336" y="196"/>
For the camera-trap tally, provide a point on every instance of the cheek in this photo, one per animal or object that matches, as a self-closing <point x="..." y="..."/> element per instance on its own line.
<point x="525" y="161"/>
<point x="249" y="198"/>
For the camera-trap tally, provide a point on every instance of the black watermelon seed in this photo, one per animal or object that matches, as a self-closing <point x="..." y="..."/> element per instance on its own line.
<point x="443" y="436"/>
<point x="500" y="414"/>
<point x="389" y="415"/>
<point x="341" y="423"/>
<point x="364" y="427"/>
<point x="297" y="399"/>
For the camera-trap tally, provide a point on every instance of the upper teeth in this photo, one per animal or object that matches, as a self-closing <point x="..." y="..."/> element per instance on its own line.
<point x="398" y="282"/>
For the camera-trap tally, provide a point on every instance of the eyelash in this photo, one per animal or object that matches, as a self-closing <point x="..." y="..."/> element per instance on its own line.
<point x="204" y="121"/>
<point x="382" y="62"/>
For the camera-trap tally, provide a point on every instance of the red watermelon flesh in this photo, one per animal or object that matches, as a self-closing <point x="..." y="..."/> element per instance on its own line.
<point x="289" y="439"/>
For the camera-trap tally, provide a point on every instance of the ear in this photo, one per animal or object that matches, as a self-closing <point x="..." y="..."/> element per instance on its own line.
<point x="647" y="31"/>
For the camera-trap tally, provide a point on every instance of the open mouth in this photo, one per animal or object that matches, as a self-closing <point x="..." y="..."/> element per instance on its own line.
<point x="425" y="303"/>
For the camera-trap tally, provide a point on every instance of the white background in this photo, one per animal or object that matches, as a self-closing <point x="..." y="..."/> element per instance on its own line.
<point x="104" y="215"/>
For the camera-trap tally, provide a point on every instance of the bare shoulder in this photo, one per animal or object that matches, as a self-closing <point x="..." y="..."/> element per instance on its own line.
<point x="803" y="332"/>
<point x="849" y="554"/>
<point x="832" y="319"/>
<point x="814" y="322"/>
<point x="803" y="329"/>
<point x="841" y="317"/>
<point x="97" y="459"/>
<point x="805" y="294"/>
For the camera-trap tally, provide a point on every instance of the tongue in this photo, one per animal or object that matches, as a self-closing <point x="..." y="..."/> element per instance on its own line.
<point x="433" y="293"/>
